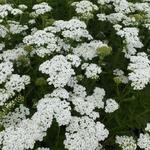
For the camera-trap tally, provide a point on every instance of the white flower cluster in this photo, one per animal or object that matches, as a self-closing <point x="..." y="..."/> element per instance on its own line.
<point x="119" y="74"/>
<point x="13" y="118"/>
<point x="73" y="29"/>
<point x="7" y="9"/>
<point x="74" y="59"/>
<point x="2" y="45"/>
<point x="4" y="96"/>
<point x="3" y="31"/>
<point x="4" y="10"/>
<point x="144" y="139"/>
<point x="86" y="105"/>
<point x="140" y="70"/>
<point x="16" y="28"/>
<point x="13" y="54"/>
<point x="28" y="131"/>
<point x="131" y="39"/>
<point x="58" y="69"/>
<point x="92" y="70"/>
<point x="41" y="8"/>
<point x="16" y="11"/>
<point x="6" y="69"/>
<point x="17" y="83"/>
<point x="45" y="42"/>
<point x="12" y="82"/>
<point x="111" y="106"/>
<point x="88" y="50"/>
<point x="22" y="6"/>
<point x="39" y="38"/>
<point x="83" y="133"/>
<point x="79" y="90"/>
<point x="126" y="142"/>
<point x="84" y="8"/>
<point x="59" y="92"/>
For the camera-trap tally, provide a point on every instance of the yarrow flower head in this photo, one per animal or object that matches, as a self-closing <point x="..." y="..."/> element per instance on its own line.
<point x="41" y="8"/>
<point x="58" y="69"/>
<point x="85" y="8"/>
<point x="111" y="106"/>
<point x="140" y="70"/>
<point x="73" y="29"/>
<point x="126" y="142"/>
<point x="83" y="133"/>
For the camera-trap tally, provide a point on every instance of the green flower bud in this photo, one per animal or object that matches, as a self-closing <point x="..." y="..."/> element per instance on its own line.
<point x="104" y="51"/>
<point x="117" y="80"/>
<point x="95" y="77"/>
<point x="28" y="48"/>
<point x="1" y="114"/>
<point x="80" y="77"/>
<point x="40" y="81"/>
<point x="19" y="99"/>
<point x="23" y="61"/>
<point x="49" y="22"/>
<point x="139" y="17"/>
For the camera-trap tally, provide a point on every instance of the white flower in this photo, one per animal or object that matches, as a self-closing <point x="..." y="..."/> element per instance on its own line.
<point x="84" y="8"/>
<point x="61" y="93"/>
<point x="13" y="118"/>
<point x="86" y="105"/>
<point x="28" y="131"/>
<point x="88" y="50"/>
<point x="73" y="29"/>
<point x="32" y="21"/>
<point x="147" y="127"/>
<point x="93" y="71"/>
<point x="13" y="54"/>
<point x="120" y="75"/>
<point x="83" y="133"/>
<point x="79" y="90"/>
<point x="16" y="28"/>
<point x="4" y="96"/>
<point x="102" y="17"/>
<point x="82" y="106"/>
<point x="41" y="8"/>
<point x="3" y="31"/>
<point x="5" y="9"/>
<point x="97" y="97"/>
<point x="16" y="11"/>
<point x="41" y="38"/>
<point x="2" y="45"/>
<point x="126" y="142"/>
<point x="132" y="40"/>
<point x="140" y="67"/>
<point x="22" y="6"/>
<point x="62" y="112"/>
<point x="6" y="69"/>
<point x="17" y="83"/>
<point x="144" y="141"/>
<point x="111" y="106"/>
<point x="74" y="59"/>
<point x="58" y="69"/>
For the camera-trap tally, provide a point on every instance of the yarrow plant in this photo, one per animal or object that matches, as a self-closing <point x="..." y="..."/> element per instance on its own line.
<point x="74" y="75"/>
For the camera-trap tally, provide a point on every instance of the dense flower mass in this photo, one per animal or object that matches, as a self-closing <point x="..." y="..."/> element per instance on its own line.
<point x="74" y="75"/>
